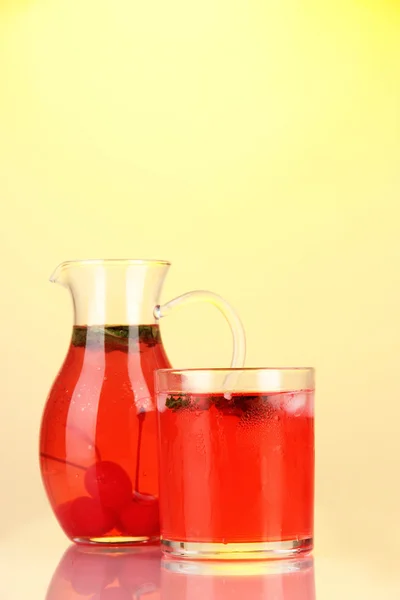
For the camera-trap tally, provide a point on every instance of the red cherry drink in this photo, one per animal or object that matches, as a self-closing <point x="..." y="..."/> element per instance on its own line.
<point x="237" y="469"/>
<point x="98" y="444"/>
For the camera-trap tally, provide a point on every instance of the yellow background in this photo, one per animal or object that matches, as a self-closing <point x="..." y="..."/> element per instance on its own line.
<point x="256" y="145"/>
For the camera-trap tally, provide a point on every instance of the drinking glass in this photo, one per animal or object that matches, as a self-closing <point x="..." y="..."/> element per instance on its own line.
<point x="236" y="453"/>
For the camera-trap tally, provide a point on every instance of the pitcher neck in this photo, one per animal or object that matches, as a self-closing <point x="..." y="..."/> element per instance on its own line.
<point x="113" y="292"/>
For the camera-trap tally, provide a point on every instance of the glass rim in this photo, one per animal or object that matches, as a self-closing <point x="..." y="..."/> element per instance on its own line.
<point x="235" y="379"/>
<point x="173" y="371"/>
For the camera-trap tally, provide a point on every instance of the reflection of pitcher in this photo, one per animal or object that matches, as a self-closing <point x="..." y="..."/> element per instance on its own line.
<point x="98" y="441"/>
<point x="118" y="575"/>
<point x="269" y="580"/>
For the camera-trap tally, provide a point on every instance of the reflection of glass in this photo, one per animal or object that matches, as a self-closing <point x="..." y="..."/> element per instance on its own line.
<point x="236" y="462"/>
<point x="274" y="580"/>
<point x="126" y="574"/>
<point x="98" y="445"/>
<point x="139" y="574"/>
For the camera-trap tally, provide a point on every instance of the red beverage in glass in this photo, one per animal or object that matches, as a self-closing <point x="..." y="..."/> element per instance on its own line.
<point x="237" y="469"/>
<point x="98" y="443"/>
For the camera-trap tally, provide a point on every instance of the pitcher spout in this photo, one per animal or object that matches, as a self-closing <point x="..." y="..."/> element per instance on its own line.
<point x="58" y="275"/>
<point x="118" y="291"/>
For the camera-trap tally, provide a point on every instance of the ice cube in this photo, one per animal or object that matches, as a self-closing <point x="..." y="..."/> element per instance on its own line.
<point x="276" y="401"/>
<point x="161" y="400"/>
<point x="310" y="404"/>
<point x="295" y="403"/>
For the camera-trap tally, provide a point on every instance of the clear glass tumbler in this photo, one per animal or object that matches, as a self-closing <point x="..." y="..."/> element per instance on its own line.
<point x="236" y="452"/>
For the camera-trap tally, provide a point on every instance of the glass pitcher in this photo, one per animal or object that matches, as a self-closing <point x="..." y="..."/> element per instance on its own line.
<point x="98" y="440"/>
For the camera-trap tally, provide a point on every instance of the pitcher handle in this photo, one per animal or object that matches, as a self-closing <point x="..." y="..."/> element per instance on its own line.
<point x="238" y="335"/>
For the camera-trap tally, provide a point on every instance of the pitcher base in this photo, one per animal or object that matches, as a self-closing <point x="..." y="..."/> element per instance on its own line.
<point x="116" y="541"/>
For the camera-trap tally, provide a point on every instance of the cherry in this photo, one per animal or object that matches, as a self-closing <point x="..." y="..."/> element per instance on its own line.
<point x="139" y="497"/>
<point x="140" y="572"/>
<point x="140" y="517"/>
<point x="112" y="593"/>
<point x="108" y="483"/>
<point x="63" y="515"/>
<point x="85" y="517"/>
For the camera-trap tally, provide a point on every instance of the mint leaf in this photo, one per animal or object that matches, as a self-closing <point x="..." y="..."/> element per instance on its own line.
<point x="246" y="406"/>
<point x="177" y="401"/>
<point x="149" y="334"/>
<point x="79" y="336"/>
<point x="241" y="406"/>
<point x="121" y="331"/>
<point x="118" y="337"/>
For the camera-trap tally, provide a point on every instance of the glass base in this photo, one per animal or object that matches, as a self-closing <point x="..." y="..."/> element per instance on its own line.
<point x="241" y="551"/>
<point x="116" y="541"/>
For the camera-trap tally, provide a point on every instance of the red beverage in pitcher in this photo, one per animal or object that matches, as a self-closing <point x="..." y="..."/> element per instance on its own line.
<point x="237" y="469"/>
<point x="98" y="444"/>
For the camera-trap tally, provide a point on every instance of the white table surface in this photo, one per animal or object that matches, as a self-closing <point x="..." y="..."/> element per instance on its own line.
<point x="31" y="567"/>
